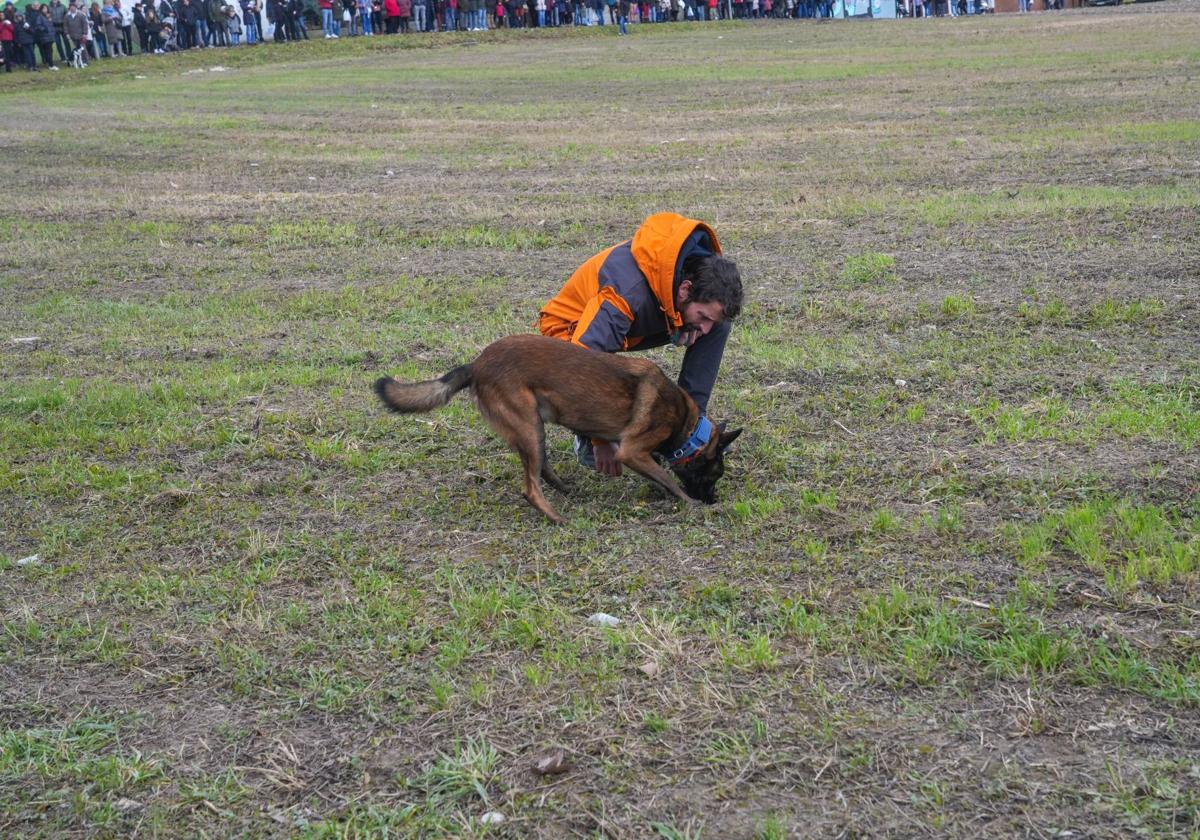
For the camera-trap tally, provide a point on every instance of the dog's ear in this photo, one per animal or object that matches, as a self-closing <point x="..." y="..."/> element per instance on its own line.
<point x="728" y="438"/>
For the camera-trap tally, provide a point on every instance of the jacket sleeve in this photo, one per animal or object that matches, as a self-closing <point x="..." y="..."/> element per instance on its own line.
<point x="604" y="323"/>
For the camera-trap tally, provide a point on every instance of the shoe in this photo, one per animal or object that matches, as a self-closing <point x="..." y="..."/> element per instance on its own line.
<point x="53" y="66"/>
<point x="335" y="35"/>
<point x="584" y="453"/>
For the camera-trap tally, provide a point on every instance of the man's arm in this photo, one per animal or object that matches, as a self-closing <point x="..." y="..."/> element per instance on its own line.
<point x="702" y="363"/>
<point x="604" y="322"/>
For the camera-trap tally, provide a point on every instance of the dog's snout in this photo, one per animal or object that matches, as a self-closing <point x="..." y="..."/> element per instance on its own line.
<point x="707" y="495"/>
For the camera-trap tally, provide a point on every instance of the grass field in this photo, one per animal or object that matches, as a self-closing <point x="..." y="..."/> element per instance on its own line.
<point x="952" y="583"/>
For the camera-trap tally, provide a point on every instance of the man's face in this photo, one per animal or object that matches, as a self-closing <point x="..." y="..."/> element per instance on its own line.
<point x="697" y="317"/>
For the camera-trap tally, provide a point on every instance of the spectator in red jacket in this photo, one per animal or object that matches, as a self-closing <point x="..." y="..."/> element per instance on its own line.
<point x="8" y="42"/>
<point x="327" y="17"/>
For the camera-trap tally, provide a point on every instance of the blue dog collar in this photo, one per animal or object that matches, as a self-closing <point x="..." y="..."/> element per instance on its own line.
<point x="693" y="444"/>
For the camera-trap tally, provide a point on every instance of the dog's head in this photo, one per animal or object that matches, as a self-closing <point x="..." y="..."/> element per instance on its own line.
<point x="699" y="474"/>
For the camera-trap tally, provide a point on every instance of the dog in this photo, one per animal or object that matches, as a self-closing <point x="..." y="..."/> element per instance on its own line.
<point x="522" y="382"/>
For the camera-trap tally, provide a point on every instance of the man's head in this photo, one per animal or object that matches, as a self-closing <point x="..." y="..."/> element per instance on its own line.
<point x="710" y="292"/>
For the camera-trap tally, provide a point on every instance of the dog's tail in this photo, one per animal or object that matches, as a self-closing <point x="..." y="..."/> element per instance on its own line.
<point x="413" y="397"/>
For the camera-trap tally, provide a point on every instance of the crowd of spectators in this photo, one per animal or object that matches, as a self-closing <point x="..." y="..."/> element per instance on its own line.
<point x="83" y="32"/>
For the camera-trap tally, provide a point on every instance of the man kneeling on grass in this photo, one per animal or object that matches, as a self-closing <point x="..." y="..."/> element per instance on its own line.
<point x="669" y="284"/>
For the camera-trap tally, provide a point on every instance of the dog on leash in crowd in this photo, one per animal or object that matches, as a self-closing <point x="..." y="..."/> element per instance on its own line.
<point x="522" y="382"/>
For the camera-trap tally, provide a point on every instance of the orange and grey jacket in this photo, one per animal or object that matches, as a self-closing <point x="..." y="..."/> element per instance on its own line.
<point x="624" y="299"/>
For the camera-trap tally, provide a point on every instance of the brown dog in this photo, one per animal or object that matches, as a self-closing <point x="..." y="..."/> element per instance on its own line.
<point x="524" y="381"/>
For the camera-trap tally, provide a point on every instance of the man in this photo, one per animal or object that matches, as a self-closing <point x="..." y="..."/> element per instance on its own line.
<point x="669" y="284"/>
<point x="186" y="28"/>
<point x="75" y="25"/>
<point x="297" y="25"/>
<point x="204" y="31"/>
<point x="57" y="13"/>
<point x="218" y="26"/>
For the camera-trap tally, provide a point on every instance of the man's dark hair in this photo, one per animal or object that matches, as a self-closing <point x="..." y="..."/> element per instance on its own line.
<point x="717" y="279"/>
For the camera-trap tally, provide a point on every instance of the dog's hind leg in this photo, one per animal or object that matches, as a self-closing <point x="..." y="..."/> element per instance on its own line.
<point x="536" y="469"/>
<point x="514" y="417"/>
<point x="548" y="473"/>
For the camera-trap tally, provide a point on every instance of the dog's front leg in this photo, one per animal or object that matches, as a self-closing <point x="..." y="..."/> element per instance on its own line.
<point x="644" y="464"/>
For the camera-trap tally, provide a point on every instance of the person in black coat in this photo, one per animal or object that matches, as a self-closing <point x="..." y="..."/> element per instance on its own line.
<point x="43" y="33"/>
<point x="277" y="17"/>
<point x="153" y="28"/>
<point x="185" y="25"/>
<point x="299" y="26"/>
<point x="203" y="33"/>
<point x="139" y="23"/>
<point x="23" y="37"/>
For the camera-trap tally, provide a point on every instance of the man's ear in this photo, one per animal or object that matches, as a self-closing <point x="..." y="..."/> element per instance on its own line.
<point x="684" y="293"/>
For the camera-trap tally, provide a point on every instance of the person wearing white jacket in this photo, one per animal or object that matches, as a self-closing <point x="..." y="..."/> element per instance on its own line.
<point x="125" y="24"/>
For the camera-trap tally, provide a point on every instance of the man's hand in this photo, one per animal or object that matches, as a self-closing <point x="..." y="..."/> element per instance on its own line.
<point x="686" y="336"/>
<point x="605" y="454"/>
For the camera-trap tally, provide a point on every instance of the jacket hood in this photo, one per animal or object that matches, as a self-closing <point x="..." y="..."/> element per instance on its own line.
<point x="658" y="248"/>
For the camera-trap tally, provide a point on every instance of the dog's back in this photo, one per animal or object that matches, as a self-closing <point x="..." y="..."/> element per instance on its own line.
<point x="587" y="391"/>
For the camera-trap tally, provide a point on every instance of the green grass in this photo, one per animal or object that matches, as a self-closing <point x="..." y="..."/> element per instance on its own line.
<point x="869" y="269"/>
<point x="1111" y="312"/>
<point x="1126" y="544"/>
<point x="958" y="306"/>
<point x="1128" y="411"/>
<point x="1167" y="131"/>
